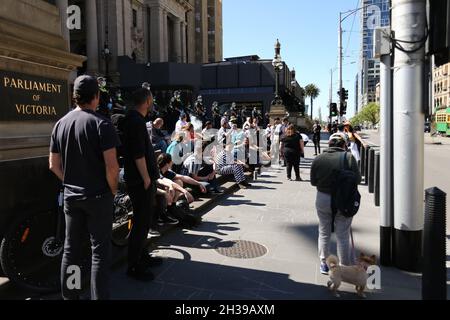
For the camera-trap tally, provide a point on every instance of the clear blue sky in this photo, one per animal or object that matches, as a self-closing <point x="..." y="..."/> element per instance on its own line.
<point x="308" y="33"/>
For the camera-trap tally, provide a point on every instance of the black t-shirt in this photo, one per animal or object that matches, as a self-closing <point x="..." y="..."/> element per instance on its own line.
<point x="292" y="143"/>
<point x="169" y="175"/>
<point x="137" y="145"/>
<point x="80" y="138"/>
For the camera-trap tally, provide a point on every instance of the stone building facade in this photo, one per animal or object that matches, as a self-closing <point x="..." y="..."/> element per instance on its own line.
<point x="148" y="31"/>
<point x="441" y="85"/>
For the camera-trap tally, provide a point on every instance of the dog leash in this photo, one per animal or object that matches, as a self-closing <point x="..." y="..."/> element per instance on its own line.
<point x="353" y="245"/>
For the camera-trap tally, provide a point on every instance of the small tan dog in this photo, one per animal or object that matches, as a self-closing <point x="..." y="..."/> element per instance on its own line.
<point x="355" y="274"/>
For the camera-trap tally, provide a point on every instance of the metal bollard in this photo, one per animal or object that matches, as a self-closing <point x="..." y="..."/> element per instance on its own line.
<point x="366" y="165"/>
<point x="377" y="178"/>
<point x="371" y="170"/>
<point x="434" y="277"/>
<point x="363" y="161"/>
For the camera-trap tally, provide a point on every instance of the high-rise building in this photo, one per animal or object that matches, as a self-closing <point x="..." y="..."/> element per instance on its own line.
<point x="208" y="31"/>
<point x="375" y="13"/>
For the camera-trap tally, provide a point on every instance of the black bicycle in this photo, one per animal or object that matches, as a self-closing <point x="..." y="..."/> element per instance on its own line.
<point x="31" y="251"/>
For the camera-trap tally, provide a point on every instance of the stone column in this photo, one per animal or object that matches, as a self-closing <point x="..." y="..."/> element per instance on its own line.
<point x="92" y="36"/>
<point x="62" y="6"/>
<point x="156" y="34"/>
<point x="183" y="42"/>
<point x="165" y="40"/>
<point x="177" y="39"/>
<point x="190" y="42"/>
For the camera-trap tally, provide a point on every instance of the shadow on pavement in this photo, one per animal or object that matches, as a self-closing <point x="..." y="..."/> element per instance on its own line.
<point x="232" y="202"/>
<point x="393" y="280"/>
<point x="193" y="280"/>
<point x="266" y="181"/>
<point x="255" y="187"/>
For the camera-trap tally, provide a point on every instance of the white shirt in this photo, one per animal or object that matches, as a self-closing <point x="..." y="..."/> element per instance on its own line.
<point x="278" y="131"/>
<point x="305" y="137"/>
<point x="179" y="126"/>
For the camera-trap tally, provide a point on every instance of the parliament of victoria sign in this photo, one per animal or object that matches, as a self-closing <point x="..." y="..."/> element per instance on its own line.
<point x="27" y="97"/>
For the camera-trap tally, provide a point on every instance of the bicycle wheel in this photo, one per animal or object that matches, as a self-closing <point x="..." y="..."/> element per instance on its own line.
<point x="30" y="253"/>
<point x="122" y="220"/>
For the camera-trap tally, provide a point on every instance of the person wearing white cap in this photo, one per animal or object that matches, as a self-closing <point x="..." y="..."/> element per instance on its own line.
<point x="323" y="175"/>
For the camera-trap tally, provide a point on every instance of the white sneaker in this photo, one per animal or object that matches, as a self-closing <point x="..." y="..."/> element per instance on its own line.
<point x="154" y="234"/>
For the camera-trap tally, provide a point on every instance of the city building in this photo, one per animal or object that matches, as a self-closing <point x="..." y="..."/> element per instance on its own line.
<point x="441" y="85"/>
<point x="375" y="13"/>
<point x="377" y="93"/>
<point x="146" y="31"/>
<point x="248" y="82"/>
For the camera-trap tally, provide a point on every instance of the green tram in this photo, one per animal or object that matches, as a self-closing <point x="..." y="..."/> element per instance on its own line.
<point x="442" y="119"/>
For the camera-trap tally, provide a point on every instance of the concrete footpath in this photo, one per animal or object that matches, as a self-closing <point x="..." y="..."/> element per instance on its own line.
<point x="280" y="216"/>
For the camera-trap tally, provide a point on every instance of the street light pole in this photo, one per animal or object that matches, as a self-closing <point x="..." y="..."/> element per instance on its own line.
<point x="340" y="66"/>
<point x="277" y="80"/>
<point x="277" y="64"/>
<point x="341" y="19"/>
<point x="409" y="27"/>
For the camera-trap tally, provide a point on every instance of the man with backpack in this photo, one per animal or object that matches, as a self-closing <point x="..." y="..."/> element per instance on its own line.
<point x="336" y="175"/>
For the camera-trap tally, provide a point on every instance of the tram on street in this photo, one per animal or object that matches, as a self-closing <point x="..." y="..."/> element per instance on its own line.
<point x="442" y="119"/>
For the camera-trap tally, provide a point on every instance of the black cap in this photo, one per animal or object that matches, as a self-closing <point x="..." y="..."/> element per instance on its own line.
<point x="85" y="87"/>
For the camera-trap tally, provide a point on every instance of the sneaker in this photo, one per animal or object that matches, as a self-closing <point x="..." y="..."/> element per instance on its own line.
<point x="140" y="274"/>
<point x="165" y="219"/>
<point x="242" y="186"/>
<point x="154" y="233"/>
<point x="289" y="179"/>
<point x="217" y="191"/>
<point x="298" y="179"/>
<point x="324" y="268"/>
<point x="245" y="183"/>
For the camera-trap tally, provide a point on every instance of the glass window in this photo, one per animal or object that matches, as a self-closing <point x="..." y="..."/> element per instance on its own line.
<point x="135" y="18"/>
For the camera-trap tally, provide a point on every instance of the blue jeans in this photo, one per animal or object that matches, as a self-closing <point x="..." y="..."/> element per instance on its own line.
<point x="162" y="145"/>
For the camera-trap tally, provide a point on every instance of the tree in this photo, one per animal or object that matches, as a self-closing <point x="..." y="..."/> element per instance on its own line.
<point x="312" y="92"/>
<point x="369" y="113"/>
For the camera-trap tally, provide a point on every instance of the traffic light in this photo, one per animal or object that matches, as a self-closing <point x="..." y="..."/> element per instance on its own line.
<point x="343" y="94"/>
<point x="344" y="108"/>
<point x="333" y="109"/>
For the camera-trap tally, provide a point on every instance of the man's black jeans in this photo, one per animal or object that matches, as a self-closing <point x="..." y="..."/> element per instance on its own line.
<point x="316" y="141"/>
<point x="93" y="217"/>
<point x="143" y="202"/>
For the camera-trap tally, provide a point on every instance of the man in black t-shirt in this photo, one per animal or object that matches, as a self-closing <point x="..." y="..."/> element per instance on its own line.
<point x="83" y="156"/>
<point x="141" y="174"/>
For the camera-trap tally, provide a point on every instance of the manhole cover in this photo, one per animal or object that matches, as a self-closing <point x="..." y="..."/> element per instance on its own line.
<point x="241" y="249"/>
